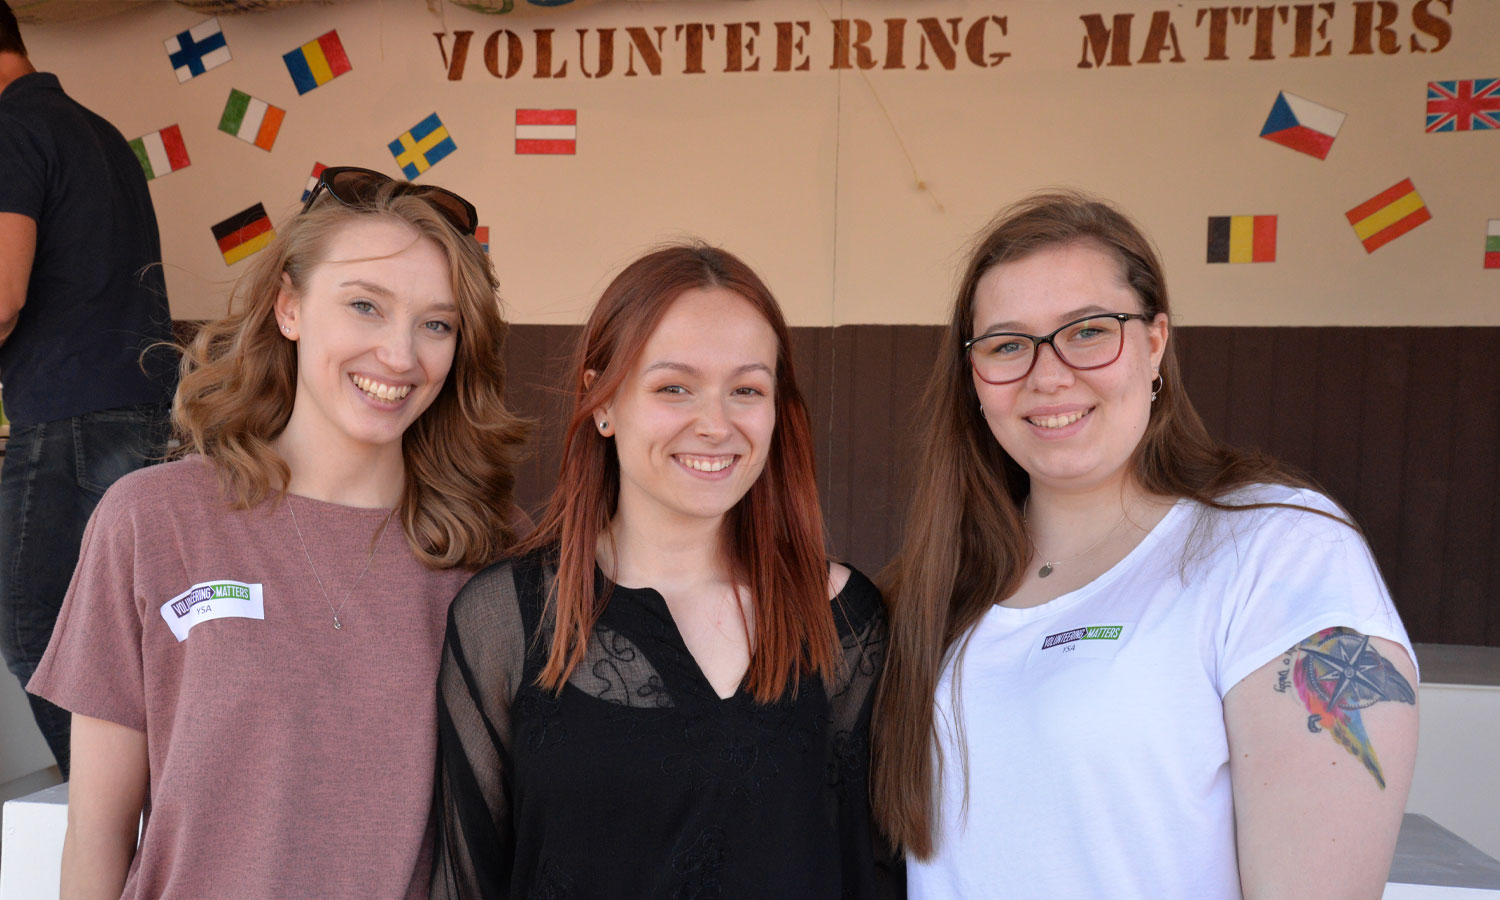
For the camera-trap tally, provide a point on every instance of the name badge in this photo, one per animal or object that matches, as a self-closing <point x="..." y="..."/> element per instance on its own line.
<point x="212" y="600"/>
<point x="1083" y="642"/>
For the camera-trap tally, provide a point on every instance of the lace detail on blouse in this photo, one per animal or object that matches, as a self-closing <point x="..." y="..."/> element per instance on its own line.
<point x="637" y="780"/>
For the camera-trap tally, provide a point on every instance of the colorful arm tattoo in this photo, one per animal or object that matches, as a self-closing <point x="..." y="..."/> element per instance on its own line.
<point x="1337" y="673"/>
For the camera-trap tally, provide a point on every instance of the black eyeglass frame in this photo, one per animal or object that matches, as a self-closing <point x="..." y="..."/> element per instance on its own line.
<point x="1037" y="340"/>
<point x="466" y="226"/>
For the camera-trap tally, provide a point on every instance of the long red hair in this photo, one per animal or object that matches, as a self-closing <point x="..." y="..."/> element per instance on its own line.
<point x="774" y="535"/>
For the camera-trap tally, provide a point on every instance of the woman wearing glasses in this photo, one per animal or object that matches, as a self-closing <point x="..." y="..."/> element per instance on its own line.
<point x="668" y="694"/>
<point x="1126" y="661"/>
<point x="250" y="643"/>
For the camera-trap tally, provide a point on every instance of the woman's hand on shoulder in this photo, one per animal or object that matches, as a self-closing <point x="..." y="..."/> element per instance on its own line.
<point x="838" y="576"/>
<point x="1322" y="743"/>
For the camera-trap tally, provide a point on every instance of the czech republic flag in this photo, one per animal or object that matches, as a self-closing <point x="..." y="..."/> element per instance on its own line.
<point x="1303" y="125"/>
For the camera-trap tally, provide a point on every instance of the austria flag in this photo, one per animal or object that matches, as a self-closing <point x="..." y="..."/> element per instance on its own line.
<point x="1302" y="125"/>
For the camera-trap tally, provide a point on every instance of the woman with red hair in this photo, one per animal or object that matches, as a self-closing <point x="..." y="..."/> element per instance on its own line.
<point x="667" y="693"/>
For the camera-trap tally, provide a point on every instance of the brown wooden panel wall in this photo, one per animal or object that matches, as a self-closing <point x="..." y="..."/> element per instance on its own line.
<point x="1401" y="425"/>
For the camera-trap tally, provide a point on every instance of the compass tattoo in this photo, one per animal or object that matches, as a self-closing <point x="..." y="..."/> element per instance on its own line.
<point x="1337" y="673"/>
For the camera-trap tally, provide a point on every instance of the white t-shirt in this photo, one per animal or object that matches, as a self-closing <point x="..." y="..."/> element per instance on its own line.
<point x="1098" y="765"/>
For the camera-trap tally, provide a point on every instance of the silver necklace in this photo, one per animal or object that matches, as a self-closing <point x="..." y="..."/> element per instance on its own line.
<point x="379" y="533"/>
<point x="1047" y="567"/>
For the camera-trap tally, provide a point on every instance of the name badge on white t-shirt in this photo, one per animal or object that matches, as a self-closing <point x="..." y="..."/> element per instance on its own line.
<point x="222" y="599"/>
<point x="1083" y="642"/>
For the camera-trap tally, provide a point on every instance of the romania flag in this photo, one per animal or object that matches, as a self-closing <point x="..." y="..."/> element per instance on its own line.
<point x="243" y="234"/>
<point x="1241" y="239"/>
<point x="1388" y="215"/>
<point x="426" y="143"/>
<point x="317" y="62"/>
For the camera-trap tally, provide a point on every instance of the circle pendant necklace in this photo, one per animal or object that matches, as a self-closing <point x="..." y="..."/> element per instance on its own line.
<point x="1048" y="567"/>
<point x="374" y="545"/>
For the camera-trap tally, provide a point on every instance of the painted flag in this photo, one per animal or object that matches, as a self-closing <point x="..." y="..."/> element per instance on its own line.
<point x="312" y="180"/>
<point x="1388" y="215"/>
<point x="1472" y="105"/>
<point x="251" y="119"/>
<point x="482" y="235"/>
<point x="547" y="131"/>
<point x="1241" y="239"/>
<point x="426" y="143"/>
<point x="317" y="62"/>
<point x="1492" y="245"/>
<point x="1303" y="125"/>
<point x="244" y="233"/>
<point x="197" y="50"/>
<point x="161" y="152"/>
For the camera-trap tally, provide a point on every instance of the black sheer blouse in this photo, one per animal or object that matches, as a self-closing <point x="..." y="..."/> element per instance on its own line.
<point x="637" y="781"/>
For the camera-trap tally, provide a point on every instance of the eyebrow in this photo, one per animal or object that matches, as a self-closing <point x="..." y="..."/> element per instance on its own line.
<point x="686" y="369"/>
<point x="370" y="286"/>
<point x="1068" y="316"/>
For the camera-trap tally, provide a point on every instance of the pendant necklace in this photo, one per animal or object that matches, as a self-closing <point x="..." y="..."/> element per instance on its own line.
<point x="374" y="545"/>
<point x="1047" y="567"/>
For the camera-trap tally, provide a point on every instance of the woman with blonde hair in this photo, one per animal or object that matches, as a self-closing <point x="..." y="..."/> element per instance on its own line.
<point x="250" y="642"/>
<point x="667" y="692"/>
<point x="1126" y="661"/>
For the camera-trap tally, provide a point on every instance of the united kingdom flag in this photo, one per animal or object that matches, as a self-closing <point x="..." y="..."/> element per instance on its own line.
<point x="1472" y="105"/>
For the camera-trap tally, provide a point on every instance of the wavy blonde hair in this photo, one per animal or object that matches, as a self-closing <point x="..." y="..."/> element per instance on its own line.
<point x="239" y="378"/>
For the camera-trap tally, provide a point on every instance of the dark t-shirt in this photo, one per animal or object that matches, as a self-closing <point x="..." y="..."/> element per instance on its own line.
<point x="96" y="298"/>
<point x="637" y="780"/>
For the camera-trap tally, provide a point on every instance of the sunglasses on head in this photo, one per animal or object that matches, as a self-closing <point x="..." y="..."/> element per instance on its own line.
<point x="353" y="186"/>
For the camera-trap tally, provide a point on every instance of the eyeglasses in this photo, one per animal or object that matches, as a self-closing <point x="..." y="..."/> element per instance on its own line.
<point x="353" y="186"/>
<point x="1092" y="342"/>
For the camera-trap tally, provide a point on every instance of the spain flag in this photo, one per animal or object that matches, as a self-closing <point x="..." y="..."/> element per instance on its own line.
<point x="1388" y="215"/>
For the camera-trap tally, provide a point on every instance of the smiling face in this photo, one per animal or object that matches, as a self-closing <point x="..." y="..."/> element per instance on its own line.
<point x="376" y="327"/>
<point x="1071" y="430"/>
<point x="693" y="419"/>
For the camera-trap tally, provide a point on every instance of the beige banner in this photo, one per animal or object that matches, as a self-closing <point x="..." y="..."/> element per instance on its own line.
<point x="850" y="150"/>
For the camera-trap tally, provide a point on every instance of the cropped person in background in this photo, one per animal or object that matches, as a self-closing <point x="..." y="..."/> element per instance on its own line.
<point x="81" y="298"/>
<point x="668" y="693"/>
<point x="250" y="646"/>
<point x="1126" y="661"/>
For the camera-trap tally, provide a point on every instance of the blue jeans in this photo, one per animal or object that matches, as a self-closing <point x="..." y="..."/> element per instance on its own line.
<point x="54" y="474"/>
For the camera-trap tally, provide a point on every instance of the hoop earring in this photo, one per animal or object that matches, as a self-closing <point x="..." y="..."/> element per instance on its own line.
<point x="1159" y="383"/>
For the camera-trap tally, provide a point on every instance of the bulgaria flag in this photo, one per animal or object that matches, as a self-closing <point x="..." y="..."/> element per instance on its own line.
<point x="251" y="119"/>
<point x="1492" y="246"/>
<point x="161" y="152"/>
<point x="1303" y="125"/>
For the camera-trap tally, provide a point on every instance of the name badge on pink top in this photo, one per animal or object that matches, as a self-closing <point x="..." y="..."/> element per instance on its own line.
<point x="222" y="599"/>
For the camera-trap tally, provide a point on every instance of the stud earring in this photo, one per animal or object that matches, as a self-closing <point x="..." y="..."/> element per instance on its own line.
<point x="603" y="424"/>
<point x="1159" y="383"/>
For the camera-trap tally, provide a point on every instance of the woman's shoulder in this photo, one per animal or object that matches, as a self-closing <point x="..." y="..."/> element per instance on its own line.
<point x="856" y="602"/>
<point x="517" y="582"/>
<point x="163" y="487"/>
<point x="1283" y="507"/>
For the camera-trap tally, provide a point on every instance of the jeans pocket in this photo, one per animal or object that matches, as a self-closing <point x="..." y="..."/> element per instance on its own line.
<point x="111" y="443"/>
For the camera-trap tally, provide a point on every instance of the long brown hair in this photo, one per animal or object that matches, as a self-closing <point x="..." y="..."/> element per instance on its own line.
<point x="965" y="545"/>
<point x="239" y="379"/>
<point x="774" y="534"/>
